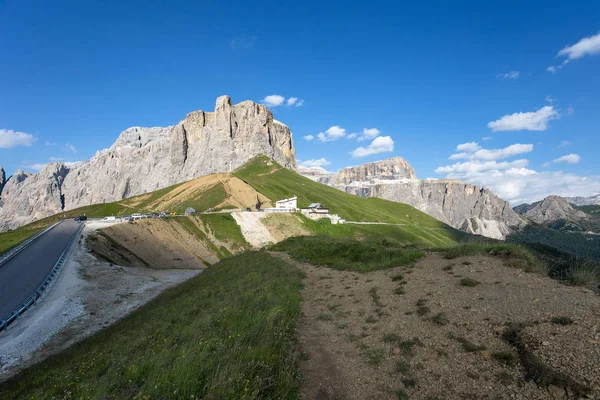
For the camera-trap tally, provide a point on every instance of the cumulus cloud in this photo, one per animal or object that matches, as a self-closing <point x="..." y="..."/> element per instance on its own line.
<point x="569" y="158"/>
<point x="10" y="139"/>
<point x="531" y="121"/>
<point x="321" y="162"/>
<point x="514" y="181"/>
<point x="273" y="100"/>
<point x="473" y="151"/>
<point x="331" y="134"/>
<point x="308" y="138"/>
<point x="366" y="134"/>
<point x="509" y="75"/>
<point x="468" y="147"/>
<point x="381" y="144"/>
<point x="480" y="166"/>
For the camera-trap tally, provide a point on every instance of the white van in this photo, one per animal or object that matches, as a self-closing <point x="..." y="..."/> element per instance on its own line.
<point x="136" y="216"/>
<point x="109" y="219"/>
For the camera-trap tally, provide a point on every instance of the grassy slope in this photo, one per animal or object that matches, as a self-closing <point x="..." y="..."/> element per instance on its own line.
<point x="226" y="334"/>
<point x="277" y="183"/>
<point x="10" y="239"/>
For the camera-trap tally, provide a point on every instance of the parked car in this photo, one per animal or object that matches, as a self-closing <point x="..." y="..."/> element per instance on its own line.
<point x="136" y="216"/>
<point x="81" y="218"/>
<point x="162" y="214"/>
<point x="127" y="218"/>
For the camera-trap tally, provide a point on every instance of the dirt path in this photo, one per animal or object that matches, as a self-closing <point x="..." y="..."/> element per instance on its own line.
<point x="418" y="333"/>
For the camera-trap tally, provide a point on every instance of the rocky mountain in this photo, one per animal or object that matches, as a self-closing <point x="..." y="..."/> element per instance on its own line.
<point x="465" y="206"/>
<point x="585" y="201"/>
<point x="146" y="159"/>
<point x="551" y="209"/>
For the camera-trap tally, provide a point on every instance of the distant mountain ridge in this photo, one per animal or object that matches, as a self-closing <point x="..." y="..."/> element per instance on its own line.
<point x="465" y="206"/>
<point x="551" y="209"/>
<point x="143" y="160"/>
<point x="585" y="201"/>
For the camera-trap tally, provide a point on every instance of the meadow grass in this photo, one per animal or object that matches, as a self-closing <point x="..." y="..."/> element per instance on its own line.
<point x="229" y="333"/>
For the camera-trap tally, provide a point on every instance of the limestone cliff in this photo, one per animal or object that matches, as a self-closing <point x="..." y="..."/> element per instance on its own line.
<point x="146" y="159"/>
<point x="465" y="206"/>
<point x="551" y="209"/>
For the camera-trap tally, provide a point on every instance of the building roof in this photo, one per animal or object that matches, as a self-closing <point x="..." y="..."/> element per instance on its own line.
<point x="316" y="205"/>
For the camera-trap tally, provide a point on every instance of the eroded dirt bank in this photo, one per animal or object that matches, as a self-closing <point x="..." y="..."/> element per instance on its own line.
<point x="469" y="328"/>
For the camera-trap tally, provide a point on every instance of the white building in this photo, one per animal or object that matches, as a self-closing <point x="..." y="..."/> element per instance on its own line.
<point x="285" y="205"/>
<point x="290" y="204"/>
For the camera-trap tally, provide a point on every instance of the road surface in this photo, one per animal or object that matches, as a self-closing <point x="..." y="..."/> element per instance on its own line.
<point x="24" y="273"/>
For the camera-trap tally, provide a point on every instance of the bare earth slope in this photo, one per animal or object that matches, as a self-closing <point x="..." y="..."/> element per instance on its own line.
<point x="416" y="332"/>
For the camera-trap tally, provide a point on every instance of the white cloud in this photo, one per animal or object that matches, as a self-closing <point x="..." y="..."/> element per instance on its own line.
<point x="468" y="147"/>
<point x="473" y="151"/>
<point x="480" y="166"/>
<point x="71" y="148"/>
<point x="587" y="46"/>
<point x="570" y="110"/>
<point x="531" y="121"/>
<point x="331" y="134"/>
<point x="366" y="134"/>
<point x="485" y="138"/>
<point x="10" y="139"/>
<point x="515" y="182"/>
<point x="50" y="144"/>
<point x="321" y="162"/>
<point x="273" y="100"/>
<point x="509" y="75"/>
<point x="308" y="138"/>
<point x="549" y="99"/>
<point x="554" y="68"/>
<point x="35" y="167"/>
<point x="499" y="154"/>
<point x="381" y="144"/>
<point x="569" y="158"/>
<point x="565" y="143"/>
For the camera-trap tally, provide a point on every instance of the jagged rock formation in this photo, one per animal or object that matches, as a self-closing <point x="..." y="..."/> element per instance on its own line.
<point x="465" y="206"/>
<point x="551" y="209"/>
<point x="584" y="201"/>
<point x="146" y="159"/>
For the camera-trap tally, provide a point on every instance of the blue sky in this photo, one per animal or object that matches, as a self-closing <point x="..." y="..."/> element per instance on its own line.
<point x="419" y="80"/>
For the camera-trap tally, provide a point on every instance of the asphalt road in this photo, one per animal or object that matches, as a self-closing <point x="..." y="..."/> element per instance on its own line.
<point x="25" y="272"/>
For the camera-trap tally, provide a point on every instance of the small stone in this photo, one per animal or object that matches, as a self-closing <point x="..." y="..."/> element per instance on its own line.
<point x="556" y="392"/>
<point x="545" y="343"/>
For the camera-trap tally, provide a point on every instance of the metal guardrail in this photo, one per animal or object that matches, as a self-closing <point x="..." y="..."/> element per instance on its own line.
<point x="24" y="244"/>
<point x="11" y="317"/>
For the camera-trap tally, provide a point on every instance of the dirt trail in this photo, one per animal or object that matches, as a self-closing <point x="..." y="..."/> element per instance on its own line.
<point x="416" y="332"/>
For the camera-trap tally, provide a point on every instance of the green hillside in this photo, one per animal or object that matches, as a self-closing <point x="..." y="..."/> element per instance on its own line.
<point x="276" y="182"/>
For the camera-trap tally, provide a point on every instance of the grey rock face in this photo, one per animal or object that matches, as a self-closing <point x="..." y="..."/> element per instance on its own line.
<point x="146" y="159"/>
<point x="464" y="206"/>
<point x="584" y="201"/>
<point x="386" y="170"/>
<point x="551" y="209"/>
